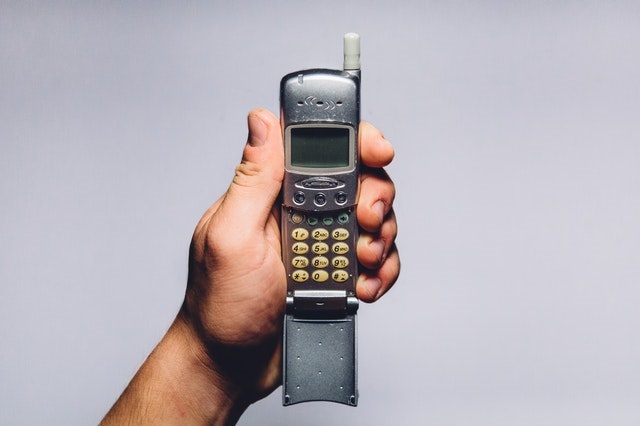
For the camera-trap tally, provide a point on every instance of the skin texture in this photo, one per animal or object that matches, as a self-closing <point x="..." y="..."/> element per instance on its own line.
<point x="224" y="349"/>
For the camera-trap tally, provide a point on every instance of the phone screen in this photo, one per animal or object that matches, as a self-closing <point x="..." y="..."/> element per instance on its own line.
<point x="319" y="147"/>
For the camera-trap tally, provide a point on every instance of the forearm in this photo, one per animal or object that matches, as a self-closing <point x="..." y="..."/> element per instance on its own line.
<point x="174" y="386"/>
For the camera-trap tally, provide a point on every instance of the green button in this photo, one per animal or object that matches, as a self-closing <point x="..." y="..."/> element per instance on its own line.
<point x="328" y="220"/>
<point x="312" y="220"/>
<point x="343" y="218"/>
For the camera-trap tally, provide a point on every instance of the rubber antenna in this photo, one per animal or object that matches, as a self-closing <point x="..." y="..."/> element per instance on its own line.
<point x="351" y="52"/>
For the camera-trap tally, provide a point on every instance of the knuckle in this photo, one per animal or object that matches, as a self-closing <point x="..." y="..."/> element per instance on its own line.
<point x="245" y="174"/>
<point x="389" y="229"/>
<point x="392" y="267"/>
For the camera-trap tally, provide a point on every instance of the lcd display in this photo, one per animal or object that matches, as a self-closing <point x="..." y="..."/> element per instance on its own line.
<point x="319" y="147"/>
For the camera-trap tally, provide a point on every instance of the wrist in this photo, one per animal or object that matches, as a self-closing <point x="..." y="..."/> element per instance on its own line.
<point x="176" y="385"/>
<point x="198" y="385"/>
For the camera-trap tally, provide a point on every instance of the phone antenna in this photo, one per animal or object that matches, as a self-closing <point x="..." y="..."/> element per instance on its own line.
<point x="351" y="52"/>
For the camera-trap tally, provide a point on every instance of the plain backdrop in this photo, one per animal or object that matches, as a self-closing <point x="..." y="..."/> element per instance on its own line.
<point x="517" y="134"/>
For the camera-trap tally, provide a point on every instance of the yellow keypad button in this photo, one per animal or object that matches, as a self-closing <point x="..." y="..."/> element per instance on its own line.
<point x="340" y="248"/>
<point x="320" y="248"/>
<point x="320" y="262"/>
<point x="300" y="248"/>
<point x="320" y="276"/>
<point x="340" y="276"/>
<point x="340" y="262"/>
<point x="300" y="276"/>
<point x="320" y="234"/>
<point x="297" y="218"/>
<point x="299" y="234"/>
<point x="300" y="262"/>
<point x="340" y="234"/>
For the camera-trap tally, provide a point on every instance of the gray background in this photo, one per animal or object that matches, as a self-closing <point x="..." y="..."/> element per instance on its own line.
<point x="517" y="132"/>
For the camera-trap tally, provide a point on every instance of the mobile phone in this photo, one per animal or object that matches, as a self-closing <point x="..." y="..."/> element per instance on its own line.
<point x="320" y="115"/>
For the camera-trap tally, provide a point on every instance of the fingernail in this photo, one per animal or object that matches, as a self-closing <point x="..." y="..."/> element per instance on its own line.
<point x="373" y="285"/>
<point x="378" y="208"/>
<point x="257" y="131"/>
<point x="377" y="246"/>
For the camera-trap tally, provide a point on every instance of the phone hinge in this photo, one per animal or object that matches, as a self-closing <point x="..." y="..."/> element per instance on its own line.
<point x="321" y="302"/>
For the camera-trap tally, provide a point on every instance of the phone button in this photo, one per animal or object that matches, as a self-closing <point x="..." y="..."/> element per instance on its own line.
<point x="299" y="197"/>
<point x="320" y="199"/>
<point x="320" y="234"/>
<point x="320" y="248"/>
<point x="299" y="234"/>
<point x="297" y="218"/>
<point x="320" y="276"/>
<point x="340" y="248"/>
<point x="300" y="275"/>
<point x="343" y="218"/>
<point x="300" y="262"/>
<point x="340" y="276"/>
<point x="340" y="262"/>
<point x="340" y="234"/>
<point x="300" y="248"/>
<point x="320" y="262"/>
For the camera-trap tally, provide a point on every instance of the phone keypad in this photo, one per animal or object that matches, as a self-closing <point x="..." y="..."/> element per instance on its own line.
<point x="319" y="248"/>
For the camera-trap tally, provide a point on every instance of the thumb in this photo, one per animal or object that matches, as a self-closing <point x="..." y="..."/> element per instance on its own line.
<point x="258" y="177"/>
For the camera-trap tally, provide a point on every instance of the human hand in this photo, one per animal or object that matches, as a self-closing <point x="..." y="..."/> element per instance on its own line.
<point x="225" y="345"/>
<point x="237" y="282"/>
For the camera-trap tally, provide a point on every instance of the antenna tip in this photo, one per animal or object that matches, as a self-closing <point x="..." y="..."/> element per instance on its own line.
<point x="351" y="51"/>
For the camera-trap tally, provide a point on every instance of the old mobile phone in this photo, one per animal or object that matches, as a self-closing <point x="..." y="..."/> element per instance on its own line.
<point x="320" y="114"/>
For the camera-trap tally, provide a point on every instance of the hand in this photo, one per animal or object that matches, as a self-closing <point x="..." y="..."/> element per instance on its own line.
<point x="231" y="318"/>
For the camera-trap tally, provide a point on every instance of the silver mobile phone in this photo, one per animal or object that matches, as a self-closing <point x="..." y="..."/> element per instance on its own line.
<point x="320" y="115"/>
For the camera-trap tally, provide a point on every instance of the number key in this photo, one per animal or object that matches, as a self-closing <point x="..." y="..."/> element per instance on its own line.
<point x="340" y="276"/>
<point x="320" y="276"/>
<point x="320" y="248"/>
<point x="340" y="248"/>
<point x="300" y="275"/>
<point x="320" y="262"/>
<point x="340" y="262"/>
<point x="300" y="262"/>
<point x="299" y="234"/>
<point x="320" y="234"/>
<point x="340" y="234"/>
<point x="300" y="248"/>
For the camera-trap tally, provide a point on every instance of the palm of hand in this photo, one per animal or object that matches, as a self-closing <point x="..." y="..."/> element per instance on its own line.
<point x="235" y="297"/>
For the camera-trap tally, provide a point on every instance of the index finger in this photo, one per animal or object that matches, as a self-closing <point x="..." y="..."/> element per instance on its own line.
<point x="375" y="150"/>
